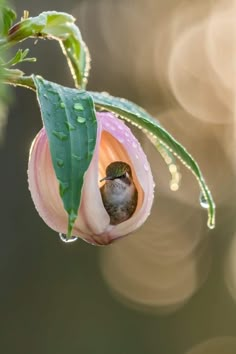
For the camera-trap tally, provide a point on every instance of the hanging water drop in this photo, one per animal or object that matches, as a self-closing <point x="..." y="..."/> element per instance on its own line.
<point x="64" y="238"/>
<point x="211" y="225"/>
<point x="203" y="201"/>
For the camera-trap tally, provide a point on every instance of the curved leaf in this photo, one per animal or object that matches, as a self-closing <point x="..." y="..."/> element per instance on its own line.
<point x="71" y="127"/>
<point x="139" y="117"/>
<point x="60" y="26"/>
<point x="7" y="16"/>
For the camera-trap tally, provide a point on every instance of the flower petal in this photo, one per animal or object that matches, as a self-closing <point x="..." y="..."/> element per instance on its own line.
<point x="44" y="189"/>
<point x="115" y="142"/>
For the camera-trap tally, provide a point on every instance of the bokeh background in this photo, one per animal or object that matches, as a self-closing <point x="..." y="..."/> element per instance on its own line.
<point x="171" y="287"/>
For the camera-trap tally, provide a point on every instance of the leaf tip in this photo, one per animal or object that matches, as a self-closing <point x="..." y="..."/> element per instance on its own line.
<point x="72" y="216"/>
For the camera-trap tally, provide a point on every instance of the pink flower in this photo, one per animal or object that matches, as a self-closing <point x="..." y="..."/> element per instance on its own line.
<point x="115" y="142"/>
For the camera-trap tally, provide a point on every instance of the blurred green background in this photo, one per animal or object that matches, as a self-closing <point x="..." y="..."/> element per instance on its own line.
<point x="171" y="287"/>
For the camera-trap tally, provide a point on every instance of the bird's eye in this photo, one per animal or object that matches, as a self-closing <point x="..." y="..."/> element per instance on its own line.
<point x="125" y="175"/>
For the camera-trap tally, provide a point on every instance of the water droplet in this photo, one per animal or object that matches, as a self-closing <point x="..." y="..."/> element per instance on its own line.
<point x="78" y="106"/>
<point x="174" y="186"/>
<point x="82" y="96"/>
<point x="45" y="96"/>
<point x="127" y="134"/>
<point x="211" y="225"/>
<point x="62" y="104"/>
<point x="52" y="90"/>
<point x="137" y="157"/>
<point x="134" y="144"/>
<point x="120" y="140"/>
<point x="69" y="126"/>
<point x="60" y="163"/>
<point x="64" y="238"/>
<point x="63" y="186"/>
<point x="146" y="168"/>
<point x="203" y="201"/>
<point x="120" y="127"/>
<point x="60" y="135"/>
<point x="78" y="158"/>
<point x="81" y="120"/>
<point x="172" y="168"/>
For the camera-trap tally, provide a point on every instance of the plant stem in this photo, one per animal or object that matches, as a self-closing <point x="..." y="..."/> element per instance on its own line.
<point x="24" y="81"/>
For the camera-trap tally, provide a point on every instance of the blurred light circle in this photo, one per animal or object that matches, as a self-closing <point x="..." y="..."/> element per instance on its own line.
<point x="193" y="79"/>
<point x="158" y="267"/>
<point x="218" y="345"/>
<point x="212" y="145"/>
<point x="230" y="268"/>
<point x="221" y="44"/>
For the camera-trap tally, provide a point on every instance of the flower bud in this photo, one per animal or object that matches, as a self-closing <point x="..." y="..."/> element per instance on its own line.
<point x="115" y="142"/>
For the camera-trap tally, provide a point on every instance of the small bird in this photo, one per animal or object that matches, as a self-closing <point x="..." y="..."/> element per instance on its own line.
<point x="119" y="193"/>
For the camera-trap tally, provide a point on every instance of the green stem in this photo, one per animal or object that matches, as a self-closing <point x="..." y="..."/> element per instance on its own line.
<point x="24" y="81"/>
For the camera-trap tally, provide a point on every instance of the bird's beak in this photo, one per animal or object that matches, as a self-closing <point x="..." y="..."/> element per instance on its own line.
<point x="107" y="178"/>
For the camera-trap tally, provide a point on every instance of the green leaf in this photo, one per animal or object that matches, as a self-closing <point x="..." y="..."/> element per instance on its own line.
<point x="7" y="18"/>
<point x="20" y="56"/>
<point x="158" y="135"/>
<point x="60" y="26"/>
<point x="71" y="140"/>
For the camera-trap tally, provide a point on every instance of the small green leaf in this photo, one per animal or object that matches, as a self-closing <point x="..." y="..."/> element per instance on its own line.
<point x="68" y="138"/>
<point x="137" y="116"/>
<point x="20" y="56"/>
<point x="7" y="18"/>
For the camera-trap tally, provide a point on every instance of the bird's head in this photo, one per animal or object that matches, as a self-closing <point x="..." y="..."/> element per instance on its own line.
<point x="118" y="170"/>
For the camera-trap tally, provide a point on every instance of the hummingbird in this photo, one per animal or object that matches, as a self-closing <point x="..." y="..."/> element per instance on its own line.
<point x="119" y="193"/>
